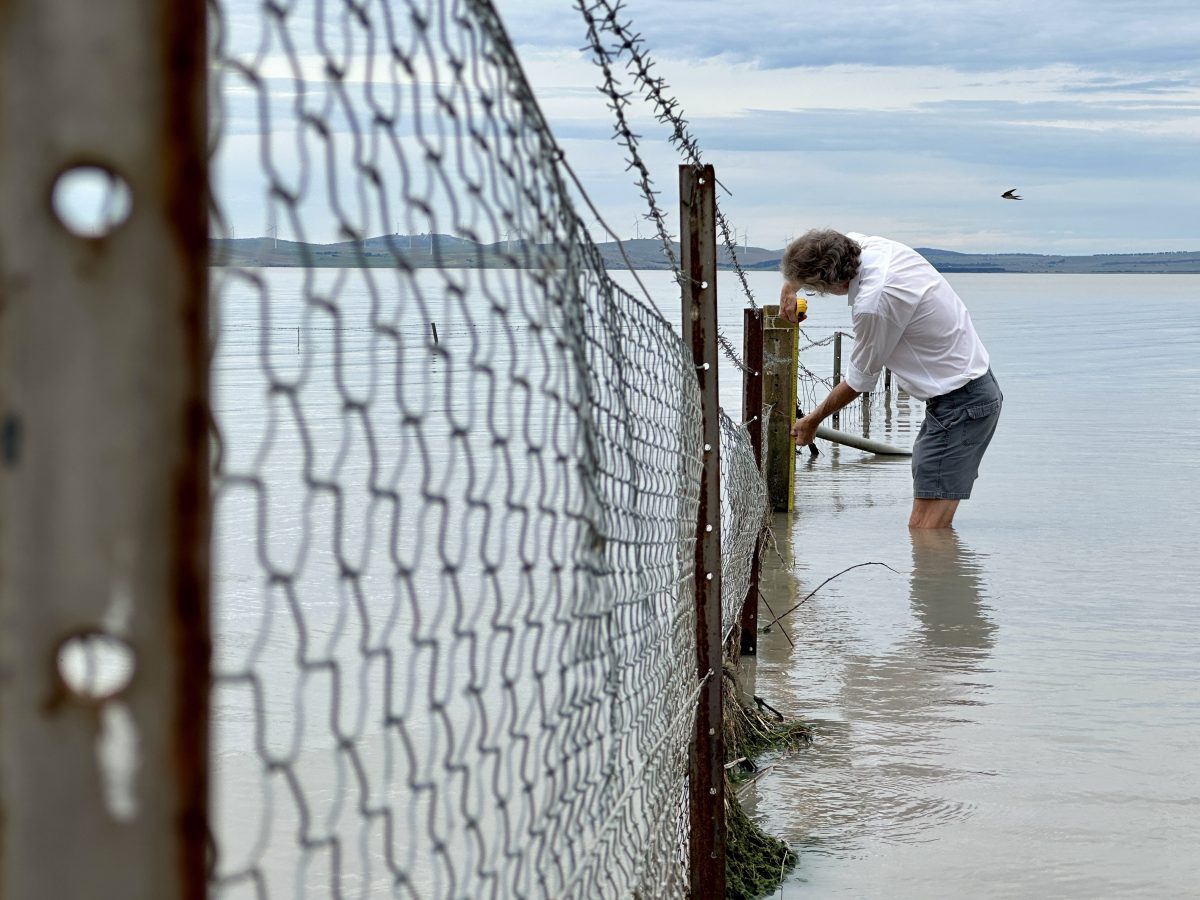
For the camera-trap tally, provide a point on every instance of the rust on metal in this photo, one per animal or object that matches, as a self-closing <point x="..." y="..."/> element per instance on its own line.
<point x="707" y="843"/>
<point x="104" y="507"/>
<point x="752" y="410"/>
<point x="186" y="197"/>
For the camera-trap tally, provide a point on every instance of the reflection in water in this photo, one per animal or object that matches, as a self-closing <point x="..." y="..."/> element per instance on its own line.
<point x="947" y="598"/>
<point x="881" y="769"/>
<point x="1057" y="697"/>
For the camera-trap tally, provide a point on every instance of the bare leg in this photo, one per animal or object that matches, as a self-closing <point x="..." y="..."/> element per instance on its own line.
<point x="932" y="513"/>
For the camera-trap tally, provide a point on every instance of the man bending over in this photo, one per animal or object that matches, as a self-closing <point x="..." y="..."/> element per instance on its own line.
<point x="907" y="318"/>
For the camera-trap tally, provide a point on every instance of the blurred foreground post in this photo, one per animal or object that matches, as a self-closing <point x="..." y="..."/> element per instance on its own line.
<point x="104" y="635"/>
<point x="697" y="216"/>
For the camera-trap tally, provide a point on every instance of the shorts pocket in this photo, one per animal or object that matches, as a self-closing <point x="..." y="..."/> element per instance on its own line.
<point x="980" y="423"/>
<point x="983" y="410"/>
<point x="940" y="427"/>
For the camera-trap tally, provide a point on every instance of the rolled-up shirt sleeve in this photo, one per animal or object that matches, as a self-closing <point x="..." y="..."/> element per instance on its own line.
<point x="875" y="337"/>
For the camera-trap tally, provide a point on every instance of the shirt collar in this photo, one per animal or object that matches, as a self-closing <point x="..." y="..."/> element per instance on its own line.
<point x="873" y="265"/>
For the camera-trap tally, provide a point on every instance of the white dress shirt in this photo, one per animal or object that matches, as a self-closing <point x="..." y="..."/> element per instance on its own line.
<point x="908" y="318"/>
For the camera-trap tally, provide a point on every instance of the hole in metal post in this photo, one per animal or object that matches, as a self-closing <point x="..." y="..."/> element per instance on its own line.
<point x="91" y="201"/>
<point x="95" y="666"/>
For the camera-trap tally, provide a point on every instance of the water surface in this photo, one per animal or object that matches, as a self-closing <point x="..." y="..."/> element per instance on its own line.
<point x="1011" y="709"/>
<point x="1015" y="710"/>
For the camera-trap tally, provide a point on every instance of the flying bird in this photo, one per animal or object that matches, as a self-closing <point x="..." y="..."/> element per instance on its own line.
<point x="1011" y="194"/>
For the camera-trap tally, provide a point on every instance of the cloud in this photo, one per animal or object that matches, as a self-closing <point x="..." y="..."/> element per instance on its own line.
<point x="911" y="118"/>
<point x="1111" y="84"/>
<point x="905" y="119"/>
<point x="969" y="35"/>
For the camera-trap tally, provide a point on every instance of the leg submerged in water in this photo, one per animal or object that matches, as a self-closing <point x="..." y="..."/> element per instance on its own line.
<point x="957" y="430"/>
<point x="932" y="513"/>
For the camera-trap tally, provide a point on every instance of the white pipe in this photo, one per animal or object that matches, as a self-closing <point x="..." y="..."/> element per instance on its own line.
<point x="860" y="443"/>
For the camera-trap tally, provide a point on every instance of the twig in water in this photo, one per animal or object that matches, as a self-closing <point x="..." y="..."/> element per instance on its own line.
<point x="763" y="704"/>
<point x="767" y="604"/>
<point x="744" y="787"/>
<point x="768" y="537"/>
<point x="825" y="582"/>
<point x="775" y="546"/>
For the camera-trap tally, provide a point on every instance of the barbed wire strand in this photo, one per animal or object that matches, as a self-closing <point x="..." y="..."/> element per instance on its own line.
<point x="618" y="102"/>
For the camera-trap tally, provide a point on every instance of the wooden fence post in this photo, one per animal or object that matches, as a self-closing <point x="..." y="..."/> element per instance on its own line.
<point x="780" y="343"/>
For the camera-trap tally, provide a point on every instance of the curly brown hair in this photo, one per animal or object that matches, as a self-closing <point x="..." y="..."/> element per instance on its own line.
<point x="820" y="260"/>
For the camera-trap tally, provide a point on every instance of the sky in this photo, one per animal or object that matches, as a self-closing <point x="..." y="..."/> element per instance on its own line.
<point x="907" y="120"/>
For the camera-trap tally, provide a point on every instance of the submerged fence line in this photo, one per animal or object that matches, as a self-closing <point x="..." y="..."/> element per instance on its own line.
<point x="615" y="48"/>
<point x="825" y="361"/>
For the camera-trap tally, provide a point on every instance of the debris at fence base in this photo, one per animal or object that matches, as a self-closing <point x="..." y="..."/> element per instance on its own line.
<point x="755" y="861"/>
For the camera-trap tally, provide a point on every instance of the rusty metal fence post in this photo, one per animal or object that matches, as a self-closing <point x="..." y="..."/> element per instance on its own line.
<point x="752" y="415"/>
<point x="104" y="635"/>
<point x="697" y="216"/>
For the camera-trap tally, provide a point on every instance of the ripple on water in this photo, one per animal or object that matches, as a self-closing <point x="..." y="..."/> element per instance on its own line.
<point x="847" y="793"/>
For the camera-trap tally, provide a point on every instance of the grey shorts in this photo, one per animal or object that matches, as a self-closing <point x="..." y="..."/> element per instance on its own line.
<point x="957" y="429"/>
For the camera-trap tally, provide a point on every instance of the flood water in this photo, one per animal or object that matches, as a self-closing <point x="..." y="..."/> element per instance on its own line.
<point x="1014" y="711"/>
<point x="1008" y="710"/>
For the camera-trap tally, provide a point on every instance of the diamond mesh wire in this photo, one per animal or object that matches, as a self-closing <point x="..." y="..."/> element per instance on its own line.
<point x="613" y="45"/>
<point x="743" y="513"/>
<point x="454" y="508"/>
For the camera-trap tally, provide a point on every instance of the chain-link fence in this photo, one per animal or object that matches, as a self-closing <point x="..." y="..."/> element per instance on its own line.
<point x="744" y="513"/>
<point x="457" y="479"/>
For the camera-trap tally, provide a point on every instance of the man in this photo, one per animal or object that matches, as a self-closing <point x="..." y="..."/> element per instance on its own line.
<point x="907" y="318"/>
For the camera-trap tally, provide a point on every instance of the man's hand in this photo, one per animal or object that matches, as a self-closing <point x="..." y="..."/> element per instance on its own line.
<point x="787" y="304"/>
<point x="805" y="430"/>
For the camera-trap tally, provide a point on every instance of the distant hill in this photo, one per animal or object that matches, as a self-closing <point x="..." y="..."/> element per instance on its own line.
<point x="1106" y="263"/>
<point x="426" y="250"/>
<point x="418" y="252"/>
